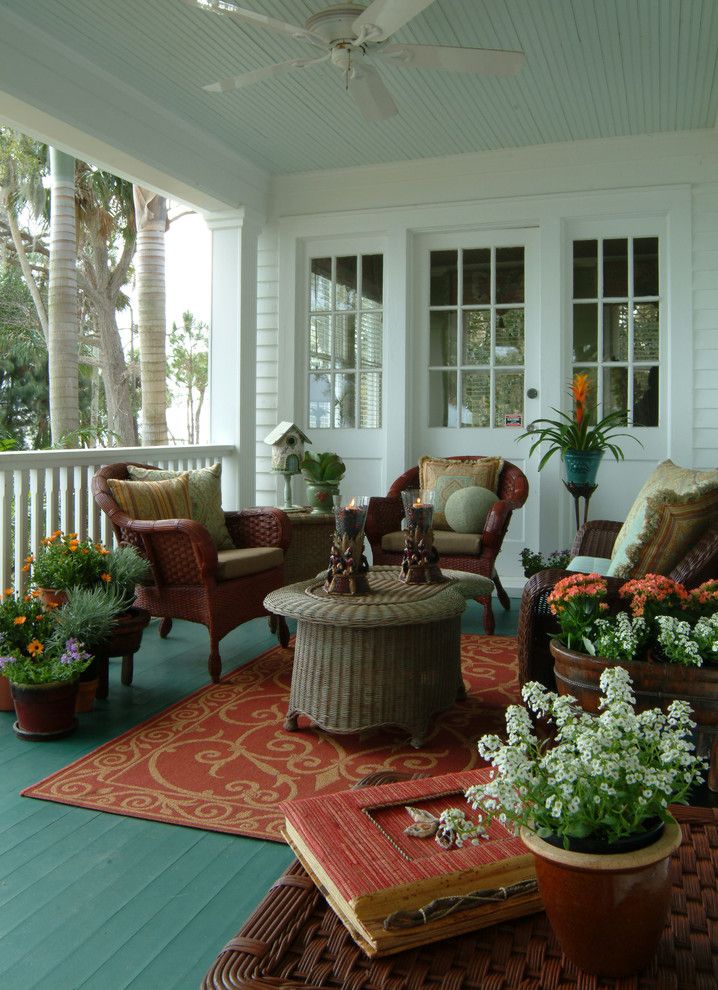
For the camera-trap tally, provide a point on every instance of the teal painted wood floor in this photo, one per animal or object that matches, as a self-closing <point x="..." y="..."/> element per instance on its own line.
<point x="101" y="902"/>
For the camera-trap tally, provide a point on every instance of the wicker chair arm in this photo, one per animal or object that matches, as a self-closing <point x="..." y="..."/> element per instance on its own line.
<point x="384" y="515"/>
<point x="180" y="551"/>
<point x="701" y="562"/>
<point x="496" y="524"/>
<point x="595" y="538"/>
<point x="259" y="527"/>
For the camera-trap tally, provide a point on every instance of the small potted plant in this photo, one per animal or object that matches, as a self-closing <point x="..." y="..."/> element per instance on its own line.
<point x="534" y="561"/>
<point x="592" y="806"/>
<point x="322" y="473"/>
<point x="580" y="443"/>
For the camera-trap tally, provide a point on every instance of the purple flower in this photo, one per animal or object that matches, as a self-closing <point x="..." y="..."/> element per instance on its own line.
<point x="74" y="652"/>
<point x="6" y="660"/>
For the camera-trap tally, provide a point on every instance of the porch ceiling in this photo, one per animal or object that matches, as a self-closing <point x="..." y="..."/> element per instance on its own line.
<point x="595" y="69"/>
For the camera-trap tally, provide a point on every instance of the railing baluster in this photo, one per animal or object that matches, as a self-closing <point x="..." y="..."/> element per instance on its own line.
<point x="66" y="500"/>
<point x="80" y="501"/>
<point x="37" y="508"/>
<point x="22" y="544"/>
<point x="52" y="517"/>
<point x="6" y="550"/>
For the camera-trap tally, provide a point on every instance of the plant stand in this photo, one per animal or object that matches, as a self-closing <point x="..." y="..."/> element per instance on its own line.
<point x="579" y="492"/>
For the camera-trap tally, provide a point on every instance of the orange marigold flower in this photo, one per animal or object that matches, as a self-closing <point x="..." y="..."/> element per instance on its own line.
<point x="84" y="550"/>
<point x="9" y="591"/>
<point x="72" y="536"/>
<point x="39" y="617"/>
<point x="26" y="598"/>
<point x="19" y="620"/>
<point x="35" y="647"/>
<point x="26" y="567"/>
<point x="35" y="592"/>
<point x="106" y="577"/>
<point x="72" y="545"/>
<point x="29" y="559"/>
<point x="104" y="552"/>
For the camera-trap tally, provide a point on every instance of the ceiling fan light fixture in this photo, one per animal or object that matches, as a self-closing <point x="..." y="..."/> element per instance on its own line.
<point x="335" y="24"/>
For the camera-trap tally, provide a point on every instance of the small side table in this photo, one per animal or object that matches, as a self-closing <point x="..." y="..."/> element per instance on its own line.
<point x="580" y="492"/>
<point x="308" y="553"/>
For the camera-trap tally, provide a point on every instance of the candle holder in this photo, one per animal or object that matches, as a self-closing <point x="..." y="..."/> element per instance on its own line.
<point x="421" y="558"/>
<point x="347" y="572"/>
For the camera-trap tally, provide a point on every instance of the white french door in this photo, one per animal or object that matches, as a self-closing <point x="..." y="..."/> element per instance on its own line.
<point x="477" y="356"/>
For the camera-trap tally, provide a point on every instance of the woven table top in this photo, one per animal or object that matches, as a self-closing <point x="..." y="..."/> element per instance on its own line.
<point x="294" y="940"/>
<point x="389" y="602"/>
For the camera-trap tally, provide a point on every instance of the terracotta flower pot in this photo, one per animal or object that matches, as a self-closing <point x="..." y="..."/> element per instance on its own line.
<point x="6" y="702"/>
<point x="607" y="911"/>
<point x="45" y="711"/>
<point x="655" y="686"/>
<point x="53" y="597"/>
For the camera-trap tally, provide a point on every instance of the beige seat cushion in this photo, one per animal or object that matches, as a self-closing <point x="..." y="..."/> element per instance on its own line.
<point x="247" y="560"/>
<point x="445" y="542"/>
<point x="672" y="510"/>
<point x="444" y="476"/>
<point x="153" y="499"/>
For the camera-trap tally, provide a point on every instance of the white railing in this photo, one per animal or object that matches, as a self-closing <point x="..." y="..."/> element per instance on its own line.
<point x="45" y="490"/>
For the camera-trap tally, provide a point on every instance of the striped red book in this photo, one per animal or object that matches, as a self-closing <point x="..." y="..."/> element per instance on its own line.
<point x="385" y="885"/>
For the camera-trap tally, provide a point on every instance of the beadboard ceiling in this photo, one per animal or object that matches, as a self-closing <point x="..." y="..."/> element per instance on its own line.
<point x="594" y="69"/>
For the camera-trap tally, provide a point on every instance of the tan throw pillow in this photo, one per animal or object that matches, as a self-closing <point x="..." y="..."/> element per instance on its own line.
<point x="153" y="499"/>
<point x="205" y="496"/>
<point x="444" y="477"/>
<point x="672" y="510"/>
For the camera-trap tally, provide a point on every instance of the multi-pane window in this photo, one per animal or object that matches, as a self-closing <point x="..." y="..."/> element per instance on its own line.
<point x="616" y="323"/>
<point x="346" y="331"/>
<point x="476" y="337"/>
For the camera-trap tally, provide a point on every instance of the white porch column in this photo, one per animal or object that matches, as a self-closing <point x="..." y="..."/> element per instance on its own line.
<point x="233" y="349"/>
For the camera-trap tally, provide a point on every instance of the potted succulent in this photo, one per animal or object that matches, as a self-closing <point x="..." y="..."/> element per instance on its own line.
<point x="534" y="561"/>
<point x="592" y="806"/>
<point x="668" y="644"/>
<point x="322" y="473"/>
<point x="44" y="651"/>
<point x="580" y="443"/>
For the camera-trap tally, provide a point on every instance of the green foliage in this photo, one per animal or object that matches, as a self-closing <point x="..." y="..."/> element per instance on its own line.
<point x="126" y="568"/>
<point x="327" y="467"/>
<point x="567" y="434"/>
<point x="188" y="366"/>
<point x="64" y="562"/>
<point x="534" y="561"/>
<point x="89" y="615"/>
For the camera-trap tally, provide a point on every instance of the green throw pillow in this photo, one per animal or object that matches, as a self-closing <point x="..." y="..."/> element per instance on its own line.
<point x="467" y="508"/>
<point x="205" y="496"/>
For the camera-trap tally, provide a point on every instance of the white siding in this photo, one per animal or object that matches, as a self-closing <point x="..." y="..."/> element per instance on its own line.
<point x="705" y="323"/>
<point x="267" y="360"/>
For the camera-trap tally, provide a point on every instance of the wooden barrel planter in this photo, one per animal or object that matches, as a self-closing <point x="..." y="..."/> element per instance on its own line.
<point x="124" y="642"/>
<point x="655" y="685"/>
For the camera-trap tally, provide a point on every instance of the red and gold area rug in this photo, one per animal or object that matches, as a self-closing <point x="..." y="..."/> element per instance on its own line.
<point x="221" y="759"/>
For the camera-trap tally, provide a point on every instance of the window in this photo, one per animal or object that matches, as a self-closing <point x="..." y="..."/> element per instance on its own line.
<point x="346" y="332"/>
<point x="616" y="323"/>
<point x="476" y="337"/>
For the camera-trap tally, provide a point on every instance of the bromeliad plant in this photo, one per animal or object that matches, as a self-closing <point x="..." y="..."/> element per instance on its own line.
<point x="605" y="777"/>
<point x="575" y="431"/>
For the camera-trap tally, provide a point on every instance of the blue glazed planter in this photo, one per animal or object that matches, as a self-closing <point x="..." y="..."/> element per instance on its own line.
<point x="582" y="466"/>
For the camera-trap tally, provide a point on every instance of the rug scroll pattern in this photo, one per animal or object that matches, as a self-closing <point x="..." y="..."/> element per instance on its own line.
<point x="221" y="760"/>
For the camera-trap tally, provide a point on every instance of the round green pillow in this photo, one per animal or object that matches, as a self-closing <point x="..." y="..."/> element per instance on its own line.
<point x="466" y="509"/>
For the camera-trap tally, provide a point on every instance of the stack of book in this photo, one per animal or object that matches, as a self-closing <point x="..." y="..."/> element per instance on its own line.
<point x="394" y="891"/>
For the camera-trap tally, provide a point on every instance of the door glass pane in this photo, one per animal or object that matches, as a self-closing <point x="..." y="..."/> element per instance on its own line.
<point x="371" y="339"/>
<point x="476" y="393"/>
<point x="442" y="398"/>
<point x="372" y="281"/>
<point x="645" y="332"/>
<point x="477" y="277"/>
<point x="344" y="341"/>
<point x="615" y="267"/>
<point x="645" y="396"/>
<point x="585" y="269"/>
<point x="509" y="391"/>
<point x="444" y="278"/>
<point x="369" y="400"/>
<point x="615" y="332"/>
<point x="509" y="337"/>
<point x="477" y="336"/>
<point x="320" y="341"/>
<point x="585" y="332"/>
<point x="645" y="266"/>
<point x="320" y="284"/>
<point x="346" y="283"/>
<point x="442" y="338"/>
<point x="344" y="392"/>
<point x="320" y="401"/>
<point x="509" y="275"/>
<point x="615" y="389"/>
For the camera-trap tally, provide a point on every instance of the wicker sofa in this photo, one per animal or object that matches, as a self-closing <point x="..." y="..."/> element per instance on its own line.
<point x="383" y="523"/>
<point x="594" y="539"/>
<point x="194" y="581"/>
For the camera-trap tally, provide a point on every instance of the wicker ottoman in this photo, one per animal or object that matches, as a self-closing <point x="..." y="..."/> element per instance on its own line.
<point x="391" y="657"/>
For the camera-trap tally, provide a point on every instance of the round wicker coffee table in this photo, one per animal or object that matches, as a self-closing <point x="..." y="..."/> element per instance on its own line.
<point x="390" y="657"/>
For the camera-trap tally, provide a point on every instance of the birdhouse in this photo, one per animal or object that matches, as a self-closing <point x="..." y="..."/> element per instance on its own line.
<point x="287" y="443"/>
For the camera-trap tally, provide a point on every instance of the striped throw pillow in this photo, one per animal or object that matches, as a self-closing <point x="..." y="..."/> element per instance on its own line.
<point x="153" y="499"/>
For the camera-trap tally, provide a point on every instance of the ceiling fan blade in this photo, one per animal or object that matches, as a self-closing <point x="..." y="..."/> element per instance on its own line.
<point x="483" y="61"/>
<point x="370" y="94"/>
<point x="258" y="75"/>
<point x="383" y="17"/>
<point x="257" y="19"/>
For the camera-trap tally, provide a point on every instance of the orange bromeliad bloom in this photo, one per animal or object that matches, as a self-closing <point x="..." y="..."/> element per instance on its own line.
<point x="579" y="390"/>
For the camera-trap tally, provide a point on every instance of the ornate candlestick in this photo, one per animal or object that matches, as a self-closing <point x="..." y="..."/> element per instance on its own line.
<point x="347" y="564"/>
<point x="421" y="558"/>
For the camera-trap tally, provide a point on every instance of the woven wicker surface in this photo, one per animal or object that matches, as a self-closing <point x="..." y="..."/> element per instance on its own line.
<point x="390" y="602"/>
<point x="294" y="940"/>
<point x="308" y="553"/>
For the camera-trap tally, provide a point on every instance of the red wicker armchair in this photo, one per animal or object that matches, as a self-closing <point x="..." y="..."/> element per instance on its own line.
<point x="594" y="539"/>
<point x="385" y="515"/>
<point x="188" y="573"/>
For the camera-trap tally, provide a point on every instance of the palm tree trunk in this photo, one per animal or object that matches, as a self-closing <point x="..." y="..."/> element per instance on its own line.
<point x="63" y="331"/>
<point x="151" y="221"/>
<point x="115" y="378"/>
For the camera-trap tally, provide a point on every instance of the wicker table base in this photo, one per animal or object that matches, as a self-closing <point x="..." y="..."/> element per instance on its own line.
<point x="294" y="940"/>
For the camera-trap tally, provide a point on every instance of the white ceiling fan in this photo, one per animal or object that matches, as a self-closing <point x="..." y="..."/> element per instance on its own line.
<point x="352" y="37"/>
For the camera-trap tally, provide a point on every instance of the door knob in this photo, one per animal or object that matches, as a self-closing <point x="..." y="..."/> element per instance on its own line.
<point x="531" y="393"/>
